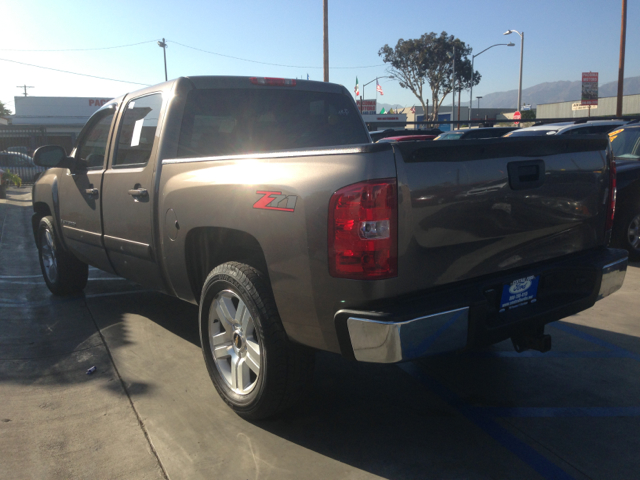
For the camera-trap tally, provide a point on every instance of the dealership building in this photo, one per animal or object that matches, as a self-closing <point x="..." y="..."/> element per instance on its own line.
<point x="47" y="120"/>
<point x="606" y="107"/>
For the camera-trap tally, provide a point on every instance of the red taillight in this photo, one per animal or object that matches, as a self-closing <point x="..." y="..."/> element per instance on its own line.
<point x="363" y="231"/>
<point x="273" y="82"/>
<point x="611" y="201"/>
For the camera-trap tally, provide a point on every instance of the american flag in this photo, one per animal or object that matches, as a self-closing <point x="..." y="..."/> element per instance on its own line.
<point x="379" y="88"/>
<point x="413" y="109"/>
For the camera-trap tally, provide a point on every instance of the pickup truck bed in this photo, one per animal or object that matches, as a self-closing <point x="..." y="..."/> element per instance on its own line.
<point x="293" y="232"/>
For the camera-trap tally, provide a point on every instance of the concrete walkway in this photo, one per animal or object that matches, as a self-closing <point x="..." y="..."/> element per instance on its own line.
<point x="56" y="421"/>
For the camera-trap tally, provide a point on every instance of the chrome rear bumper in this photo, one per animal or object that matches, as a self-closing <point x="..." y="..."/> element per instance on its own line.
<point x="381" y="340"/>
<point x="388" y="342"/>
<point x="612" y="277"/>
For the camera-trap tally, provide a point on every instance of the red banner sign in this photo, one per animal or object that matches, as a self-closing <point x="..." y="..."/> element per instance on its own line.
<point x="589" y="88"/>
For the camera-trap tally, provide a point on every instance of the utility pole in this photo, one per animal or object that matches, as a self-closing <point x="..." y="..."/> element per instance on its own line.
<point x="164" y="47"/>
<point x="325" y="6"/>
<point x="25" y="88"/>
<point x="623" y="36"/>
<point x="453" y="103"/>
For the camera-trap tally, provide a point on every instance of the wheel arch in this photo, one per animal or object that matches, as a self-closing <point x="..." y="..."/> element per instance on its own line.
<point x="40" y="210"/>
<point x="208" y="247"/>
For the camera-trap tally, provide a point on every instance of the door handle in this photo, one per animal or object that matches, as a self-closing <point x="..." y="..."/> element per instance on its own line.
<point x="138" y="192"/>
<point x="91" y="191"/>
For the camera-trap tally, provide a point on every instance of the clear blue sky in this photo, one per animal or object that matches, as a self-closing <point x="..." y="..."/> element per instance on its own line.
<point x="562" y="39"/>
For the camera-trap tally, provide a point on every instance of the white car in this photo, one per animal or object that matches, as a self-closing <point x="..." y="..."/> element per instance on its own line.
<point x="579" y="127"/>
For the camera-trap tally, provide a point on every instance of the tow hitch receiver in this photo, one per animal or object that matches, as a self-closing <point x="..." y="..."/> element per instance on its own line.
<point x="532" y="340"/>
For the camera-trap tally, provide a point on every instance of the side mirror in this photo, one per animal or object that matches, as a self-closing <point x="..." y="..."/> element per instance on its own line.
<point x="52" y="156"/>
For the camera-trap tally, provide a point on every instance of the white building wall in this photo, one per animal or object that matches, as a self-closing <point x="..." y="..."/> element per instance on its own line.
<point x="55" y="110"/>
<point x="606" y="107"/>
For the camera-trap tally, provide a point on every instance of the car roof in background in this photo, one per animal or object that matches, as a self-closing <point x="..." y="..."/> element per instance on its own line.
<point x="406" y="138"/>
<point x="564" y="126"/>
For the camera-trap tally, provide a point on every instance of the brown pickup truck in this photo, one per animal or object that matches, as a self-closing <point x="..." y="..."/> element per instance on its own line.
<point x="264" y="201"/>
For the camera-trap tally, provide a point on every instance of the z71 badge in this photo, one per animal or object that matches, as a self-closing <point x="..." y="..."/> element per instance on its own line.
<point x="276" y="201"/>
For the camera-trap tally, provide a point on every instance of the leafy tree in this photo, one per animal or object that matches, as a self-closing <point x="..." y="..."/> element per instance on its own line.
<point x="429" y="59"/>
<point x="529" y="114"/>
<point x="12" y="178"/>
<point x="4" y="110"/>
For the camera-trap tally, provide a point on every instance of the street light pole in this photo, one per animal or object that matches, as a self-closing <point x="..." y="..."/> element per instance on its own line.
<point x="375" y="79"/>
<point x="473" y="57"/>
<point x="521" y="35"/>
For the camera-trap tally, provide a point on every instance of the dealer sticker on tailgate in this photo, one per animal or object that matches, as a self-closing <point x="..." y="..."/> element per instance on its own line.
<point x="519" y="292"/>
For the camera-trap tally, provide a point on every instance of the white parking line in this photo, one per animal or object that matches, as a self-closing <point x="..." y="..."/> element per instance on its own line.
<point x="21" y="276"/>
<point x="12" y="304"/>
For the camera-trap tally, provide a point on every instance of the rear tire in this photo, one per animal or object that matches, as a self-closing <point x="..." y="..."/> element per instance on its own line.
<point x="63" y="273"/>
<point x="256" y="370"/>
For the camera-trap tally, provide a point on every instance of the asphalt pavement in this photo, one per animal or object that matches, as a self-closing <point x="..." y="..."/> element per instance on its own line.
<point x="150" y="411"/>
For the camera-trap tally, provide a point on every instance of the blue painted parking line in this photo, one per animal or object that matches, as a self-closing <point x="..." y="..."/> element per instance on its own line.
<point x="551" y="354"/>
<point x="558" y="412"/>
<point x="598" y="341"/>
<point x="524" y="452"/>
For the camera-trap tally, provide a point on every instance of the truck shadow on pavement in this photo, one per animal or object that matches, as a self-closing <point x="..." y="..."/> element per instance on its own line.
<point x="485" y="413"/>
<point x="580" y="401"/>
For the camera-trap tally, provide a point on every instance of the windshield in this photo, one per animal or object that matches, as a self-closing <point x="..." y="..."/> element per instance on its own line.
<point x="450" y="136"/>
<point x="530" y="133"/>
<point x="626" y="143"/>
<point x="237" y="121"/>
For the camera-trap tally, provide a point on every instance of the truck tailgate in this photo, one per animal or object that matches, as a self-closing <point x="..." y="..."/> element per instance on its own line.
<point x="472" y="208"/>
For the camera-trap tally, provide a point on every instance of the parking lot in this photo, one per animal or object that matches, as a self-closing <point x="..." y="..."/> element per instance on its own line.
<point x="151" y="411"/>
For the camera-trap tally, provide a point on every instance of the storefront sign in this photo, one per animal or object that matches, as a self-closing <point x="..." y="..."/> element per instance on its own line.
<point x="589" y="88"/>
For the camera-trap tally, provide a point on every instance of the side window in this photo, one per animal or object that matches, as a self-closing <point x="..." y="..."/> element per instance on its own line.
<point x="93" y="144"/>
<point x="138" y="130"/>
<point x="16" y="161"/>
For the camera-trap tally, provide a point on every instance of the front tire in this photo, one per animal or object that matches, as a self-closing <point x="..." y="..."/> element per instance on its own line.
<point x="628" y="234"/>
<point x="256" y="370"/>
<point x="63" y="273"/>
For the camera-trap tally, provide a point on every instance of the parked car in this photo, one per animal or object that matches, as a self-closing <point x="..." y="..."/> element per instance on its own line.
<point x="475" y="133"/>
<point x="390" y="132"/>
<point x="22" y="165"/>
<point x="407" y="138"/>
<point x="579" y="127"/>
<point x="625" y="143"/>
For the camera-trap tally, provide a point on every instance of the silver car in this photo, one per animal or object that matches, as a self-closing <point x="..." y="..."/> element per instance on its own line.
<point x="579" y="127"/>
<point x="20" y="164"/>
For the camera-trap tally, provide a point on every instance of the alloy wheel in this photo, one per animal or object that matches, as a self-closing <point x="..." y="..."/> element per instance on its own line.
<point x="633" y="232"/>
<point x="47" y="252"/>
<point x="234" y="344"/>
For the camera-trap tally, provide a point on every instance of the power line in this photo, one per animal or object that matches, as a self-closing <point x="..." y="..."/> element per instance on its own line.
<point x="75" y="49"/>
<point x="182" y="45"/>
<point x="74" y="73"/>
<point x="267" y="63"/>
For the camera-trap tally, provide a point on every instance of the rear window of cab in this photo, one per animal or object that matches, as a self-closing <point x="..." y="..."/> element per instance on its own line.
<point x="240" y="121"/>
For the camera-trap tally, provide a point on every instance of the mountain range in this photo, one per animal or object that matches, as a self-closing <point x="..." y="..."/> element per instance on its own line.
<point x="547" y="92"/>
